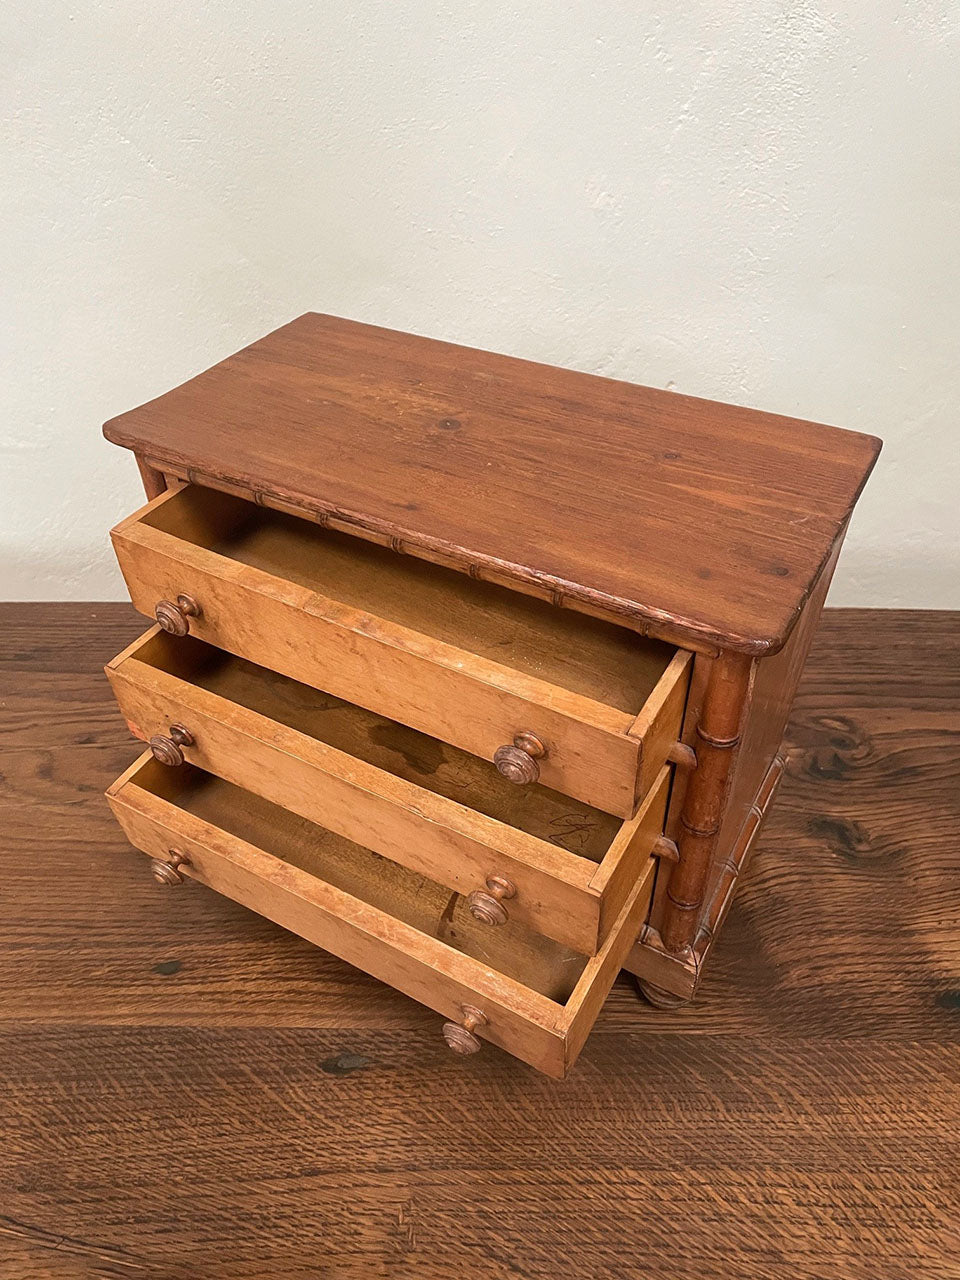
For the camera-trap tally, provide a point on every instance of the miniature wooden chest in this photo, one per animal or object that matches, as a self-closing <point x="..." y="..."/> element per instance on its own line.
<point x="472" y="671"/>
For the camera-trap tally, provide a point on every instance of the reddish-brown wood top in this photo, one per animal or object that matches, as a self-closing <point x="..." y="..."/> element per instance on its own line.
<point x="651" y="506"/>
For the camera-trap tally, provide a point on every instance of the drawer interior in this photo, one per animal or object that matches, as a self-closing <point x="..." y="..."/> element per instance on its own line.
<point x="416" y="757"/>
<point x="539" y="963"/>
<point x="587" y="656"/>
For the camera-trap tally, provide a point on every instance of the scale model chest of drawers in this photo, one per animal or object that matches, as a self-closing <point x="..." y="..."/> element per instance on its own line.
<point x="471" y="671"/>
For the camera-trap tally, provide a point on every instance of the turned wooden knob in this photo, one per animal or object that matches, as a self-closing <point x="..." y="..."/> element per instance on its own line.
<point x="488" y="907"/>
<point x="518" y="763"/>
<point x="459" y="1035"/>
<point x="167" y="750"/>
<point x="175" y="617"/>
<point x="167" y="872"/>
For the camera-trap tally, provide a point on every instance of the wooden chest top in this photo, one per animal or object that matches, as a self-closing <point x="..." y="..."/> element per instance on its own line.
<point x="647" y="505"/>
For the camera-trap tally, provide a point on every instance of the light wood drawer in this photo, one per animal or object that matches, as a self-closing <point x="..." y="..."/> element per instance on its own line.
<point x="538" y="998"/>
<point x="567" y="868"/>
<point x="465" y="661"/>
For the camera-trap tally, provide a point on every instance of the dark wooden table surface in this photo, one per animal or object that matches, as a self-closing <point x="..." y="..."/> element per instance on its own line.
<point x="187" y="1091"/>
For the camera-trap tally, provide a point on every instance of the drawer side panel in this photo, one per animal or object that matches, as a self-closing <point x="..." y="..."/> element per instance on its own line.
<point x="519" y="1020"/>
<point x="265" y="619"/>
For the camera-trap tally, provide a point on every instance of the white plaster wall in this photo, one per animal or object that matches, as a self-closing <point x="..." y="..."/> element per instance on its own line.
<point x="757" y="203"/>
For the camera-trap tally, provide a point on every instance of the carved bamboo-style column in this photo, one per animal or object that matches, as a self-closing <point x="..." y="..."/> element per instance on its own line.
<point x="718" y="734"/>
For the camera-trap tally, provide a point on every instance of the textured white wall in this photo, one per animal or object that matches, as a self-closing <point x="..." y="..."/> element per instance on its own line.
<point x="757" y="203"/>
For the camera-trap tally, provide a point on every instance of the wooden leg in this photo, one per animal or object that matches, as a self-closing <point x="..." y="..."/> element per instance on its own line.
<point x="659" y="998"/>
<point x="668" y="981"/>
<point x="718" y="734"/>
<point x="154" y="482"/>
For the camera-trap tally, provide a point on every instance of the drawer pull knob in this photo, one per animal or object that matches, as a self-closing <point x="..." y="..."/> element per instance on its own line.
<point x="518" y="763"/>
<point x="174" y="618"/>
<point x="168" y="872"/>
<point x="167" y="750"/>
<point x="682" y="756"/>
<point x="487" y="907"/>
<point x="459" y="1035"/>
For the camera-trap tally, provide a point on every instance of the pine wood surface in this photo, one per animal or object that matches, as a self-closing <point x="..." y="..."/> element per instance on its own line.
<point x="593" y="750"/>
<point x="188" y="1091"/>
<point x="655" y="506"/>
<point x="416" y="800"/>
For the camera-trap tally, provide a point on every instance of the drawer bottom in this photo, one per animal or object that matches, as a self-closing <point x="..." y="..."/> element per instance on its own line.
<point x="536" y="998"/>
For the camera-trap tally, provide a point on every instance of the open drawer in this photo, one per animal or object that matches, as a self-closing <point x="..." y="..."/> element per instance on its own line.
<point x="535" y="998"/>
<point x="590" y="708"/>
<point x="526" y="854"/>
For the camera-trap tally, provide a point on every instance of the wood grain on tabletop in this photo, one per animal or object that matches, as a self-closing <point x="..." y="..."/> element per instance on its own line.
<point x="656" y="506"/>
<point x="189" y="1091"/>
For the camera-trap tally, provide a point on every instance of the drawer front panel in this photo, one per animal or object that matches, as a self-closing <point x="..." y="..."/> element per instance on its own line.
<point x="521" y="1020"/>
<point x="465" y="700"/>
<point x="557" y="893"/>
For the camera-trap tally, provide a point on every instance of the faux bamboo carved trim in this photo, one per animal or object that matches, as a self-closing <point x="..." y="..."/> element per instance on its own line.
<point x="539" y="586"/>
<point x="703" y="832"/>
<point x="685" y="906"/>
<point x="735" y="865"/>
<point x="720" y="719"/>
<point x="679" y="973"/>
<point x="721" y="744"/>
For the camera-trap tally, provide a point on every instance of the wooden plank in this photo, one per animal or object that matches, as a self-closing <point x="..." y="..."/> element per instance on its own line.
<point x="192" y="1091"/>
<point x="657" y="506"/>
<point x="518" y="1019"/>
<point x="644" y="627"/>
<point x="660" y="721"/>
<point x="398" y="935"/>
<point x="467" y="700"/>
<point x="606" y="665"/>
<point x="581" y="1010"/>
<point x="631" y="849"/>
<point x="448" y="841"/>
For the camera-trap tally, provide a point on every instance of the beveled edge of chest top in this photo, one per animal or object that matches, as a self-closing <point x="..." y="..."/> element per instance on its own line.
<point x="683" y="517"/>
